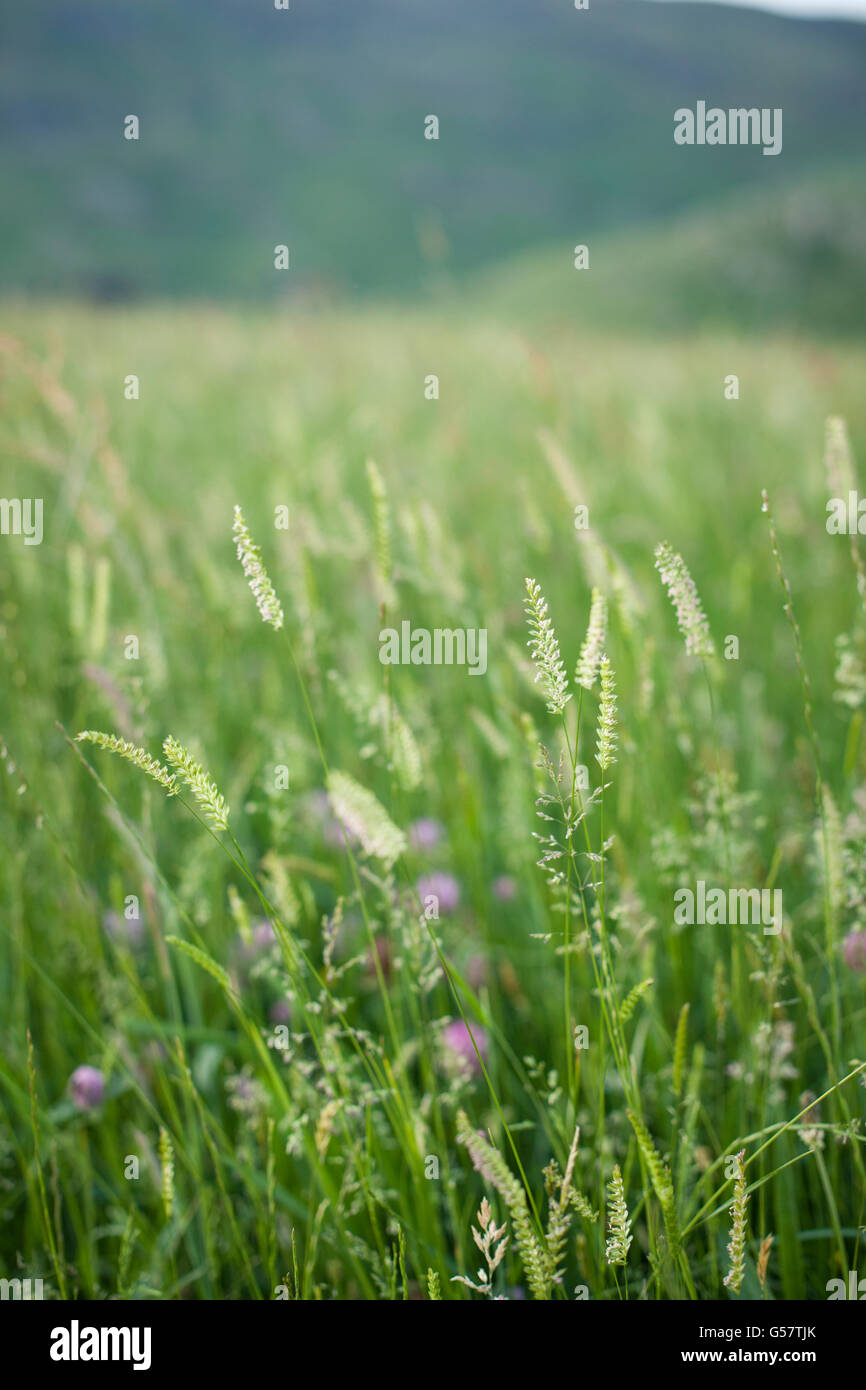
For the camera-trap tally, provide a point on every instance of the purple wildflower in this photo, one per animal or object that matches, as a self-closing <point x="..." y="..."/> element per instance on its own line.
<point x="86" y="1087"/>
<point x="425" y="833"/>
<point x="458" y="1044"/>
<point x="443" y="887"/>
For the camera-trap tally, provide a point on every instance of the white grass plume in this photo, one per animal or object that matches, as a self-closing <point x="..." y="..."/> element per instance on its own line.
<point x="492" y="1241"/>
<point x="737" y="1244"/>
<point x="682" y="591"/>
<point x="203" y="789"/>
<point x="544" y="649"/>
<point x="365" y="816"/>
<point x="138" y="756"/>
<point x="251" y="559"/>
<point x="593" y="643"/>
<point x="618" y="1221"/>
<point x="606" y="731"/>
<point x="166" y="1164"/>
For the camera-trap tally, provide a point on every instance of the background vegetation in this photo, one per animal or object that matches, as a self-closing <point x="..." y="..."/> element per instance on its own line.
<point x="482" y="484"/>
<point x="280" y="1039"/>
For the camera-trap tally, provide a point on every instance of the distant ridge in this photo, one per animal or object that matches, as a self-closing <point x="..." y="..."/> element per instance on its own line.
<point x="792" y="258"/>
<point x="306" y="127"/>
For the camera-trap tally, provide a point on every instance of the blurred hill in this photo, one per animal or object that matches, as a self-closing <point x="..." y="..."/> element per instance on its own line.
<point x="306" y="127"/>
<point x="789" y="259"/>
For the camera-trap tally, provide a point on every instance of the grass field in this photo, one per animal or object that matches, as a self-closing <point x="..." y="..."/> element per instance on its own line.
<point x="289" y="1099"/>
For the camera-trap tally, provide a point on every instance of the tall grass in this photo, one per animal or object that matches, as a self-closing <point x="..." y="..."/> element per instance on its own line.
<point x="379" y="964"/>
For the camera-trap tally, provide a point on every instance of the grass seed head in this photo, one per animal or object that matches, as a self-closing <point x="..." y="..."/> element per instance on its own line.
<point x="691" y="618"/>
<point x="203" y="789"/>
<point x="544" y="649"/>
<point x="593" y="643"/>
<point x="251" y="559"/>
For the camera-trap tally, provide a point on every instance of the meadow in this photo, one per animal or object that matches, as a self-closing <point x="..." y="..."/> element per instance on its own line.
<point x="423" y="976"/>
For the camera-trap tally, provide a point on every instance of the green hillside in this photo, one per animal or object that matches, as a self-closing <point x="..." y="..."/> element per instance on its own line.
<point x="790" y="259"/>
<point x="306" y="127"/>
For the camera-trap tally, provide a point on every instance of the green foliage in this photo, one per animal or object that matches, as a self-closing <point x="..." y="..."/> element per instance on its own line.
<point x="306" y="128"/>
<point x="270" y="1009"/>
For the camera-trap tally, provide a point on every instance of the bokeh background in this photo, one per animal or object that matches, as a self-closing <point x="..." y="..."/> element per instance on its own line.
<point x="306" y="128"/>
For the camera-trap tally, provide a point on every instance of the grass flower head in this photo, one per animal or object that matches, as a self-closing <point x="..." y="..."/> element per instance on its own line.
<point x="138" y="756"/>
<point x="203" y="789"/>
<point x="593" y="643"/>
<point x="544" y="648"/>
<point x="691" y="618"/>
<point x="257" y="576"/>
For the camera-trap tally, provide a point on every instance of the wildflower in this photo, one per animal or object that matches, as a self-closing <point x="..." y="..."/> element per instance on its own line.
<point x="251" y="559"/>
<point x="459" y="1047"/>
<point x="443" y="887"/>
<point x="86" y="1087"/>
<point x="199" y="783"/>
<point x="544" y="649"/>
<point x="425" y="833"/>
<point x="593" y="643"/>
<point x="280" y="1011"/>
<point x="854" y="950"/>
<point x="691" y="619"/>
<point x="606" y="733"/>
<point x="504" y="888"/>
